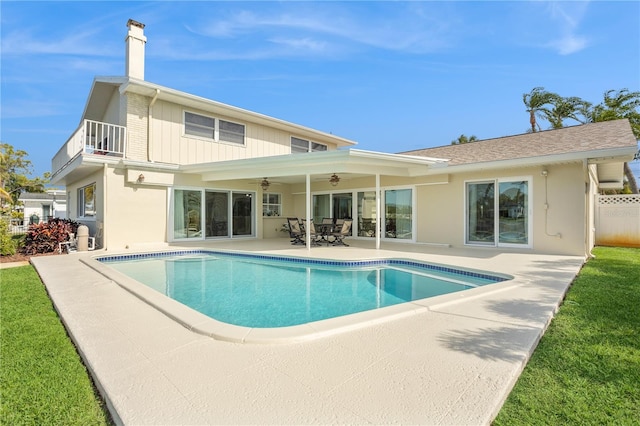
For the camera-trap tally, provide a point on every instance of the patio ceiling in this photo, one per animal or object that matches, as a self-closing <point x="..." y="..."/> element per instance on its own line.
<point x="293" y="168"/>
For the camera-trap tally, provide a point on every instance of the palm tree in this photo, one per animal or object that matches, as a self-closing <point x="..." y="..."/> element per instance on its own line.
<point x="616" y="105"/>
<point x="538" y="102"/>
<point x="564" y="108"/>
<point x="464" y="139"/>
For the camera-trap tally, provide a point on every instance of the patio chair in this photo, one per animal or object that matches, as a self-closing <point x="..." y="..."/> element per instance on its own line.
<point x="314" y="234"/>
<point x="295" y="232"/>
<point x="344" y="231"/>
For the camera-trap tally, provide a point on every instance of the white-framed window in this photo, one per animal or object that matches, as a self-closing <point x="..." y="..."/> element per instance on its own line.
<point x="271" y="204"/>
<point x="199" y="125"/>
<point x="231" y="132"/>
<point x="303" y="145"/>
<point x="498" y="212"/>
<point x="203" y="126"/>
<point x="87" y="201"/>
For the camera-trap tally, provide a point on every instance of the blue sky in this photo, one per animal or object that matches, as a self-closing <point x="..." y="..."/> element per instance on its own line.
<point x="393" y="76"/>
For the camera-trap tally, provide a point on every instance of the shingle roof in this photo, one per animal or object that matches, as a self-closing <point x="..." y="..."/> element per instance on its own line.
<point x="41" y="196"/>
<point x="586" y="137"/>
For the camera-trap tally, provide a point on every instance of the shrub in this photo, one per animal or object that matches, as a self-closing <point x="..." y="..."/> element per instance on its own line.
<point x="45" y="237"/>
<point x="7" y="247"/>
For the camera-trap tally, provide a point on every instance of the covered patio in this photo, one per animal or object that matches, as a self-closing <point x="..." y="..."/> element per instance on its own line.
<point x="451" y="363"/>
<point x="310" y="172"/>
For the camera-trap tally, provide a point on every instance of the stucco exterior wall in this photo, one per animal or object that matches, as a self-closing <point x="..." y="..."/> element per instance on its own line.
<point x="112" y="113"/>
<point x="441" y="218"/>
<point x="72" y="203"/>
<point x="136" y="214"/>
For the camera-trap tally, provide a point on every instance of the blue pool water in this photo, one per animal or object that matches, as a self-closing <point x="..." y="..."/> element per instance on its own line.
<point x="268" y="291"/>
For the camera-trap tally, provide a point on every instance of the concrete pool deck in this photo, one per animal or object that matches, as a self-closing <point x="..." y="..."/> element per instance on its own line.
<point x="451" y="363"/>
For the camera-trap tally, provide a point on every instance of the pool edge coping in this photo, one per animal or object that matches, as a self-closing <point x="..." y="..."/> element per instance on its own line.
<point x="204" y="325"/>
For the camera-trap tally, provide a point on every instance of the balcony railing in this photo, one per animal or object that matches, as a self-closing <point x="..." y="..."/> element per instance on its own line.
<point x="92" y="137"/>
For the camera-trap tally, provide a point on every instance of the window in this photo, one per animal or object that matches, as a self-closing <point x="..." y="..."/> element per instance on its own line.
<point x="271" y="204"/>
<point x="500" y="218"/>
<point x="87" y="201"/>
<point x="231" y="132"/>
<point x="302" y="145"/>
<point x="199" y="125"/>
<point x="205" y="127"/>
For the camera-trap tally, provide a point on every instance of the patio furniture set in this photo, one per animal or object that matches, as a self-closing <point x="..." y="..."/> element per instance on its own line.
<point x="329" y="231"/>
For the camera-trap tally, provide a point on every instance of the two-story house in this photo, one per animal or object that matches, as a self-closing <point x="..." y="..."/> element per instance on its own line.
<point x="149" y="164"/>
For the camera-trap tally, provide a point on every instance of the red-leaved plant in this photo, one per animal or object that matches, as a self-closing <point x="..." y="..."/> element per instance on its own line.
<point x="44" y="237"/>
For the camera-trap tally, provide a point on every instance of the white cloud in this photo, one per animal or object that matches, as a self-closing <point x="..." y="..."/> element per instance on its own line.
<point x="569" y="15"/>
<point x="332" y="28"/>
<point x="569" y="44"/>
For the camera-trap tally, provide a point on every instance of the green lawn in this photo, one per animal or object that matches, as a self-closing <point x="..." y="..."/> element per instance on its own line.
<point x="586" y="369"/>
<point x="42" y="379"/>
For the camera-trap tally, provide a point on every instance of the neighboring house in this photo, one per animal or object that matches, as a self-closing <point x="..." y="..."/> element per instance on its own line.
<point x="40" y="207"/>
<point x="149" y="164"/>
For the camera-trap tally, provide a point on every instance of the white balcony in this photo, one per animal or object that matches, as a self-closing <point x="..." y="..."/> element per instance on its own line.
<point x="92" y="138"/>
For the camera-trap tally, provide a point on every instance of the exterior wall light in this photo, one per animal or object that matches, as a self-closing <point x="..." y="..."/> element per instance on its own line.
<point x="334" y="179"/>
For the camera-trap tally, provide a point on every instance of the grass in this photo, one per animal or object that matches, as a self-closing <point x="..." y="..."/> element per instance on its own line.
<point x="42" y="378"/>
<point x="586" y="368"/>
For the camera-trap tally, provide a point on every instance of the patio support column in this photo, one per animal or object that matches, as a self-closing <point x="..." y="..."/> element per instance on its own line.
<point x="378" y="213"/>
<point x="307" y="228"/>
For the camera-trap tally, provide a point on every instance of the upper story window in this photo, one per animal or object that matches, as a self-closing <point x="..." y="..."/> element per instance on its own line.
<point x="303" y="145"/>
<point x="213" y="128"/>
<point x="87" y="201"/>
<point x="231" y="132"/>
<point x="199" y="125"/>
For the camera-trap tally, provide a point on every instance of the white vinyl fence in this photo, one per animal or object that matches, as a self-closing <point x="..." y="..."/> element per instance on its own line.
<point x="618" y="220"/>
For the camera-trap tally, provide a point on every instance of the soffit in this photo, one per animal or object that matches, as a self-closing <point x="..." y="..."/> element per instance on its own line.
<point x="294" y="167"/>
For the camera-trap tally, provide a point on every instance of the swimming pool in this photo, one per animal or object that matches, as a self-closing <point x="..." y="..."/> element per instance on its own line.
<point x="260" y="291"/>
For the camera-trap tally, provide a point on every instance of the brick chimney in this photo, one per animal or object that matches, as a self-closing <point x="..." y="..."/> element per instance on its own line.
<point x="135" y="40"/>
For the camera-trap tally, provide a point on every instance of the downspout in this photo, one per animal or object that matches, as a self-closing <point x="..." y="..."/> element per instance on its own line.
<point x="378" y="212"/>
<point x="307" y="228"/>
<point x="105" y="215"/>
<point x="589" y="208"/>
<point x="150" y="127"/>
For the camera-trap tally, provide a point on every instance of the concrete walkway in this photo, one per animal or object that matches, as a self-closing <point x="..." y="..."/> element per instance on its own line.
<point x="453" y="363"/>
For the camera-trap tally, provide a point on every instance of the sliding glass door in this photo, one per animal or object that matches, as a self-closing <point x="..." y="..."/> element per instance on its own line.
<point x="187" y="214"/>
<point x="513" y="205"/>
<point x="243" y="213"/>
<point x="502" y="220"/>
<point x="217" y="213"/>
<point x="398" y="213"/>
<point x="220" y="214"/>
<point x="367" y="215"/>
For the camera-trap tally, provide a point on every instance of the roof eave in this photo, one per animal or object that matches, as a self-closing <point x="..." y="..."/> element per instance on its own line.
<point x="337" y="161"/>
<point x="595" y="156"/>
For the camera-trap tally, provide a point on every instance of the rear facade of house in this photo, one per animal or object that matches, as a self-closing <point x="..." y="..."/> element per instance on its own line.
<point x="152" y="165"/>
